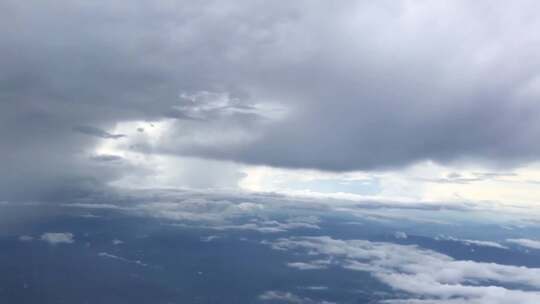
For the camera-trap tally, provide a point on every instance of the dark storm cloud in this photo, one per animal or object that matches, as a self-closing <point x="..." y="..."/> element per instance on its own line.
<point x="364" y="85"/>
<point x="387" y="85"/>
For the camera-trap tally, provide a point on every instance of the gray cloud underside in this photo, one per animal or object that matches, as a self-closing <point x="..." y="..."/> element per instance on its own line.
<point x="364" y="86"/>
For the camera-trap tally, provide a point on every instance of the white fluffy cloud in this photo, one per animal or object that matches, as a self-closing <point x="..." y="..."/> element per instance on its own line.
<point x="54" y="238"/>
<point x="432" y="277"/>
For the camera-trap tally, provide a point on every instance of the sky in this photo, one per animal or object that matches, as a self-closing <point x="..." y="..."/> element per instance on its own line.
<point x="398" y="101"/>
<point x="396" y="140"/>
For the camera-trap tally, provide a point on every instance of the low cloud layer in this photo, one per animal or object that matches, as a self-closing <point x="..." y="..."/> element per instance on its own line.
<point x="428" y="276"/>
<point x="373" y="86"/>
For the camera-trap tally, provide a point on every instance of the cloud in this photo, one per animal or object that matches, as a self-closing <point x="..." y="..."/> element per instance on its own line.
<point x="115" y="257"/>
<point x="533" y="244"/>
<point x="106" y="158"/>
<point x="400" y="235"/>
<point x="207" y="209"/>
<point x="457" y="178"/>
<point x="117" y="242"/>
<point x="472" y="242"/>
<point x="265" y="226"/>
<point x="209" y="238"/>
<point x="312" y="265"/>
<point x="428" y="275"/>
<point x="54" y="238"/>
<point x="26" y="238"/>
<point x="314" y="287"/>
<point x="266" y="84"/>
<point x="97" y="132"/>
<point x="287" y="297"/>
<point x="227" y="209"/>
<point x="437" y="110"/>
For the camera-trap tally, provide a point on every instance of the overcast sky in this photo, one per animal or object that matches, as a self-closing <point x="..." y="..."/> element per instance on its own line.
<point x="410" y="100"/>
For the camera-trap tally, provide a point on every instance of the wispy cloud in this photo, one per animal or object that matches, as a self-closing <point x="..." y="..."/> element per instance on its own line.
<point x="533" y="244"/>
<point x="471" y="242"/>
<point x="288" y="297"/>
<point x="26" y="238"/>
<point x="115" y="257"/>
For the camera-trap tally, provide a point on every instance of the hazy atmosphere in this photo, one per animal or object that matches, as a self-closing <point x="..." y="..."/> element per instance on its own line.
<point x="270" y="152"/>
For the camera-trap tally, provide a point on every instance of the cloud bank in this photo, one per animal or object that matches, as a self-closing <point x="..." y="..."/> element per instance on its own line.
<point x="371" y="87"/>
